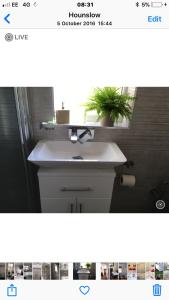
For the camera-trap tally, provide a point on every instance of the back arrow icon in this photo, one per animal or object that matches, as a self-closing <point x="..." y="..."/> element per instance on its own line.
<point x="6" y="18"/>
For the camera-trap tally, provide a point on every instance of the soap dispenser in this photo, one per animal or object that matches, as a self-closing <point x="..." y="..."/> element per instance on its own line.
<point x="62" y="115"/>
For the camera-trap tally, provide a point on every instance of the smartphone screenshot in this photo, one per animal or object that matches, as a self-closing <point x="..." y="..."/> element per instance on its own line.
<point x="84" y="149"/>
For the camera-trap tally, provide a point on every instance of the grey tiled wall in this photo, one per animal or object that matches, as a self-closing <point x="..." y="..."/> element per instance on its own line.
<point x="13" y="190"/>
<point x="41" y="104"/>
<point x="146" y="142"/>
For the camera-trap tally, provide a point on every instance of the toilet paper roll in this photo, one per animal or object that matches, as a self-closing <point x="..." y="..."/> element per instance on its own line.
<point x="128" y="180"/>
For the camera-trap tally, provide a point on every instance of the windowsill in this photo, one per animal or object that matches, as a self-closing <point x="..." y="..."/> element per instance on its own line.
<point x="50" y="125"/>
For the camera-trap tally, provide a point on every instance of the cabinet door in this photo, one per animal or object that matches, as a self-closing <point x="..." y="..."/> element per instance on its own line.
<point x="93" y="205"/>
<point x="61" y="205"/>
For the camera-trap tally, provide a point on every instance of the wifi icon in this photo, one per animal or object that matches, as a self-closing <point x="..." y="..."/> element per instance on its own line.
<point x="6" y="4"/>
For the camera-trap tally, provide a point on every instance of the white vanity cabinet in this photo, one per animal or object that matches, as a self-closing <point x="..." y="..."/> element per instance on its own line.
<point x="73" y="190"/>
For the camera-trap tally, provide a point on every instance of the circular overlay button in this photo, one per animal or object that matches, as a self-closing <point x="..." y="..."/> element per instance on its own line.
<point x="9" y="37"/>
<point x="160" y="204"/>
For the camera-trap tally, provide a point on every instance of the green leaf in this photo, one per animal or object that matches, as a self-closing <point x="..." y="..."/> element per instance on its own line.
<point x="109" y="101"/>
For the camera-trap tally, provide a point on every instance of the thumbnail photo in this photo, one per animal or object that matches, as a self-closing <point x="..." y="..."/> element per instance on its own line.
<point x="83" y="149"/>
<point x="84" y="271"/>
<point x="2" y="271"/>
<point x="10" y="271"/>
<point x="27" y="269"/>
<point x="132" y="271"/>
<point x="141" y="271"/>
<point x="166" y="271"/>
<point x="159" y="269"/>
<point x="110" y="271"/>
<point x="150" y="271"/>
<point x="19" y="271"/>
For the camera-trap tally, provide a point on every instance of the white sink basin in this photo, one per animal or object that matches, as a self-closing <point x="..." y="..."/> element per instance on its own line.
<point x="51" y="153"/>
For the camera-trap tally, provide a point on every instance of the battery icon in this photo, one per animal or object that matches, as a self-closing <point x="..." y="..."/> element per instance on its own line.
<point x="156" y="4"/>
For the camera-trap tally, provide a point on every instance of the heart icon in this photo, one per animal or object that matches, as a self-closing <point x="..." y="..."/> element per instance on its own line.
<point x="84" y="289"/>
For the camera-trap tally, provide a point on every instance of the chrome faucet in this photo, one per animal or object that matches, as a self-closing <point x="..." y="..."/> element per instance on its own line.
<point x="74" y="137"/>
<point x="81" y="134"/>
<point x="85" y="136"/>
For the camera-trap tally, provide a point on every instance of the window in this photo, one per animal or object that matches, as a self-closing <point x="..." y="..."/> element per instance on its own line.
<point x="73" y="99"/>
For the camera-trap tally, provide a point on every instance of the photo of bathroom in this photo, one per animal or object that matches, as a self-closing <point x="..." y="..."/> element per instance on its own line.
<point x="18" y="271"/>
<point x="105" y="271"/>
<point x="2" y="271"/>
<point x="132" y="271"/>
<point x="150" y="271"/>
<point x="10" y="271"/>
<point x="110" y="271"/>
<point x="37" y="271"/>
<point x="111" y="163"/>
<point x="27" y="268"/>
<point x="141" y="271"/>
<point x="159" y="268"/>
<point x="64" y="271"/>
<point x="114" y="271"/>
<point x="84" y="271"/>
<point x="55" y="271"/>
<point x="166" y="271"/>
<point x="122" y="271"/>
<point x="46" y="271"/>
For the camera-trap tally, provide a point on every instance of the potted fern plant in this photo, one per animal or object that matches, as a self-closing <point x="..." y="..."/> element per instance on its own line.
<point x="110" y="104"/>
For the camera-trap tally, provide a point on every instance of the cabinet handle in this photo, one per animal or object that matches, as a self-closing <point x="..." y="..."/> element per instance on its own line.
<point x="71" y="208"/>
<point x="80" y="208"/>
<point x="76" y="189"/>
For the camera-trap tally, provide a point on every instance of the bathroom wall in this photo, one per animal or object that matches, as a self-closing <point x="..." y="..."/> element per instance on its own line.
<point x="146" y="143"/>
<point x="41" y="105"/>
<point x="13" y="191"/>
